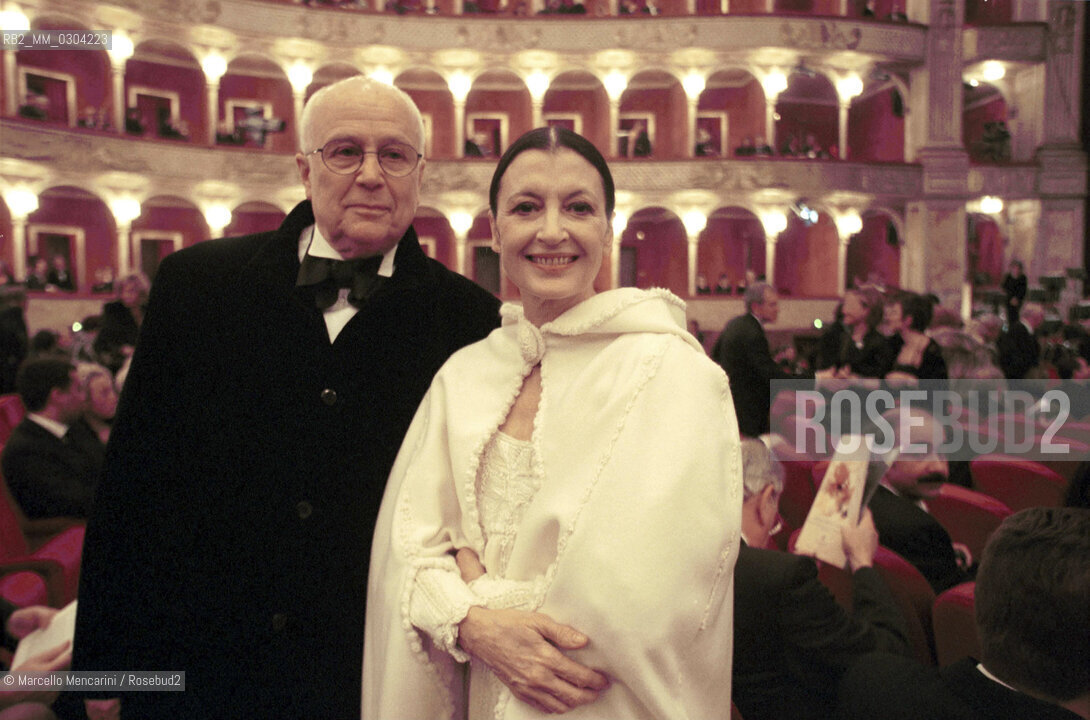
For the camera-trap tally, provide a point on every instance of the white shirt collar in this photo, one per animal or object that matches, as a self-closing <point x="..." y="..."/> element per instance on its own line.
<point x="313" y="243"/>
<point x="918" y="503"/>
<point x="984" y="671"/>
<point x="57" y="428"/>
<point x="337" y="315"/>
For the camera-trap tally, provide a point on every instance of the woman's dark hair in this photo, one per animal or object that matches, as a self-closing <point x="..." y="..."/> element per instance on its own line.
<point x="553" y="139"/>
<point x="918" y="307"/>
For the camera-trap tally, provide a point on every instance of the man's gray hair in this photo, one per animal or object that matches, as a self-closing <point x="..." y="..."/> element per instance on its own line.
<point x="759" y="468"/>
<point x="755" y="294"/>
<point x="364" y="84"/>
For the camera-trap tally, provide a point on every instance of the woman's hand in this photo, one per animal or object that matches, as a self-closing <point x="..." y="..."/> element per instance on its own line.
<point x="523" y="649"/>
<point x="469" y="565"/>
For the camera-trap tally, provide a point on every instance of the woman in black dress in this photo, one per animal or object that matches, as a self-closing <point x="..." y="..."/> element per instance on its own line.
<point x="121" y="321"/>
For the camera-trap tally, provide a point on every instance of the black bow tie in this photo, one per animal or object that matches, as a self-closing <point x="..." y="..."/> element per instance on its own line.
<point x="326" y="277"/>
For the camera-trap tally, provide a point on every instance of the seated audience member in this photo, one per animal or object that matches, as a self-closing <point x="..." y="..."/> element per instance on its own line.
<point x="100" y="400"/>
<point x="37" y="278"/>
<point x="1073" y="371"/>
<point x="1031" y="598"/>
<point x="59" y="275"/>
<point x="104" y="280"/>
<point x="915" y="354"/>
<point x="792" y="640"/>
<point x="967" y="358"/>
<point x="986" y="328"/>
<point x="855" y="348"/>
<point x="1019" y="351"/>
<point x="475" y="145"/>
<point x="900" y="503"/>
<point x="17" y="623"/>
<point x="705" y="145"/>
<point x="722" y="285"/>
<point x="45" y="342"/>
<point x="897" y="14"/>
<point x="134" y="121"/>
<point x="50" y="462"/>
<point x="944" y="318"/>
<point x="640" y="140"/>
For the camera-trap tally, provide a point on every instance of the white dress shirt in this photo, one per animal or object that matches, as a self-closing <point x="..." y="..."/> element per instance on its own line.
<point x="337" y="315"/>
<point x="57" y="428"/>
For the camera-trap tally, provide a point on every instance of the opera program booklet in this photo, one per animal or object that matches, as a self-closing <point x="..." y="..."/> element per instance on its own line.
<point x="60" y="629"/>
<point x="848" y="485"/>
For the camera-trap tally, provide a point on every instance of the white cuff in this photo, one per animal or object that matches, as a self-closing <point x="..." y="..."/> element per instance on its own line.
<point x="439" y="601"/>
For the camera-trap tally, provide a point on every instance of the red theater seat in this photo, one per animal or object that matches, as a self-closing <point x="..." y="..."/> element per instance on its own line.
<point x="49" y="575"/>
<point x="11" y="414"/>
<point x="1065" y="465"/>
<point x="1017" y="483"/>
<point x="1075" y="430"/>
<point x="969" y="516"/>
<point x="955" y="625"/>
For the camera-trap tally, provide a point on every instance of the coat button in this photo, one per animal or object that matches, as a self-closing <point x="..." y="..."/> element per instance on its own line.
<point x="304" y="509"/>
<point x="329" y="396"/>
<point x="279" y="621"/>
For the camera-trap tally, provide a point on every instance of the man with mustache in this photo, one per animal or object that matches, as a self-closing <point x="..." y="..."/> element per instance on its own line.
<point x="900" y="503"/>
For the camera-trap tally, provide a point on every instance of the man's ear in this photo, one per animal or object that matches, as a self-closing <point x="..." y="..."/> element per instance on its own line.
<point x="768" y="506"/>
<point x="303" y="164"/>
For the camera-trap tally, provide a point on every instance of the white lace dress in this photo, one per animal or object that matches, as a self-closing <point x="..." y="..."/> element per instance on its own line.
<point x="507" y="481"/>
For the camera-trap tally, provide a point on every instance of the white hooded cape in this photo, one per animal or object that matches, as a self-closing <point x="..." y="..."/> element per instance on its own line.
<point x="631" y="538"/>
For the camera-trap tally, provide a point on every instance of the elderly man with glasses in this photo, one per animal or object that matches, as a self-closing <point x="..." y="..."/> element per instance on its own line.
<point x="275" y="377"/>
<point x="792" y="641"/>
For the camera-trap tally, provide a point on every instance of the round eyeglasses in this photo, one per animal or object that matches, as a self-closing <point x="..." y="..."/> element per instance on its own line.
<point x="346" y="158"/>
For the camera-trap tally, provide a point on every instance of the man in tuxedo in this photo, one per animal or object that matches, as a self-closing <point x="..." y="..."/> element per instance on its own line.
<point x="792" y="640"/>
<point x="900" y="502"/>
<point x="1031" y="596"/>
<point x="268" y="396"/>
<point x="1019" y="351"/>
<point x="742" y="349"/>
<point x="50" y="462"/>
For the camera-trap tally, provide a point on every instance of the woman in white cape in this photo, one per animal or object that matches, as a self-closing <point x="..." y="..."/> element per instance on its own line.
<point x="560" y="528"/>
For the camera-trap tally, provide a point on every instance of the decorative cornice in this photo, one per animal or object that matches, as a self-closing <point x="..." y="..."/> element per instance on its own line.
<point x="1007" y="182"/>
<point x="81" y="158"/>
<point x="733" y="39"/>
<point x="1024" y="42"/>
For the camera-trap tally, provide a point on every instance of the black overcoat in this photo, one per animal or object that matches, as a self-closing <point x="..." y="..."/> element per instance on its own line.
<point x="231" y="531"/>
